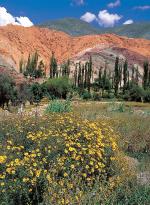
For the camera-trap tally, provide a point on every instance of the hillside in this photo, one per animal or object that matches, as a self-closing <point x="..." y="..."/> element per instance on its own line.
<point x="77" y="27"/>
<point x="71" y="26"/>
<point x="17" y="42"/>
<point x="135" y="30"/>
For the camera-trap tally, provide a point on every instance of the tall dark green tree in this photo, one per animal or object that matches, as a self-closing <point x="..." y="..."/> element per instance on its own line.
<point x="125" y="75"/>
<point x="116" y="77"/>
<point x="66" y="69"/>
<point x="137" y="76"/>
<point x="145" y="75"/>
<point x="53" y="66"/>
<point x="120" y="75"/>
<point x="75" y="75"/>
<point x="90" y="71"/>
<point x="79" y="76"/>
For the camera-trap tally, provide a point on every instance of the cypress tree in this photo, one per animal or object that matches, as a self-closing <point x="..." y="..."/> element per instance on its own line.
<point x="149" y="79"/>
<point x="133" y="74"/>
<point x="82" y="77"/>
<point x="100" y="78"/>
<point x="145" y="75"/>
<point x="75" y="75"/>
<point x="86" y="75"/>
<point x="116" y="77"/>
<point x="79" y="76"/>
<point x="120" y="75"/>
<point x="53" y="66"/>
<point x="125" y="75"/>
<point x="137" y="76"/>
<point x="89" y="74"/>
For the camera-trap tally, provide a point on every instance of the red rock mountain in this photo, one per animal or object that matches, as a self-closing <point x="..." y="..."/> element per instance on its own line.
<point x="17" y="42"/>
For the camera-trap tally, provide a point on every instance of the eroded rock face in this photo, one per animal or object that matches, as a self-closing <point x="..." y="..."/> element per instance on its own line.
<point x="17" y="42"/>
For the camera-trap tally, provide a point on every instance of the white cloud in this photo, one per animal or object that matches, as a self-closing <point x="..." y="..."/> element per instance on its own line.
<point x="6" y="18"/>
<point x="146" y="7"/>
<point x="114" y="4"/>
<point x="130" y="21"/>
<point x="88" y="17"/>
<point x="104" y="18"/>
<point x="107" y="19"/>
<point x="24" y="21"/>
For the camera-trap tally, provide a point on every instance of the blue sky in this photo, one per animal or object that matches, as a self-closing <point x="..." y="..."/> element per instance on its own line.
<point x="99" y="12"/>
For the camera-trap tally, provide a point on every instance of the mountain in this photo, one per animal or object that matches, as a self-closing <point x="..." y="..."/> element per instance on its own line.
<point x="77" y="27"/>
<point x="71" y="26"/>
<point x="135" y="30"/>
<point x="17" y="42"/>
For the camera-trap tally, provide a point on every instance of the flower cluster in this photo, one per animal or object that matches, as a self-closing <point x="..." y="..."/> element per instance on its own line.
<point x="55" y="158"/>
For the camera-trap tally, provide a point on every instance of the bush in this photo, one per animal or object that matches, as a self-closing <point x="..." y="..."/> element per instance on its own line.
<point x="86" y="95"/>
<point x="58" y="106"/>
<point x="35" y="93"/>
<point x="55" y="159"/>
<point x="147" y="95"/>
<point x="7" y="89"/>
<point x="135" y="93"/>
<point x="58" y="87"/>
<point x="96" y="96"/>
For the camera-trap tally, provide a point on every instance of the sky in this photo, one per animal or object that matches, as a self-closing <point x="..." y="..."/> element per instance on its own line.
<point x="102" y="13"/>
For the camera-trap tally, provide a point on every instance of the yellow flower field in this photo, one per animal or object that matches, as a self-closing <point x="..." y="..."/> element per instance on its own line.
<point x="55" y="159"/>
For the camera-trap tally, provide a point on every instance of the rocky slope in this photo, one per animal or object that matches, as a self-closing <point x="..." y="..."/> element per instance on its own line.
<point x="17" y="42"/>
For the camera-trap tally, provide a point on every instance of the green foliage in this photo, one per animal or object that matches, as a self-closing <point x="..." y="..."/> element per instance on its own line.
<point x="147" y="95"/>
<point x="36" y="93"/>
<point x="134" y="93"/>
<point x="57" y="106"/>
<point x="7" y="90"/>
<point x="96" y="96"/>
<point x="53" y="67"/>
<point x="145" y="75"/>
<point x="116" y="77"/>
<point x="33" y="68"/>
<point x="58" y="87"/>
<point x="86" y="95"/>
<point x="66" y="69"/>
<point x="117" y="107"/>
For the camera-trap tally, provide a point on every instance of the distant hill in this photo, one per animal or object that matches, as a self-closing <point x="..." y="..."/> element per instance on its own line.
<point x="77" y="27"/>
<point x="71" y="26"/>
<point x="135" y="30"/>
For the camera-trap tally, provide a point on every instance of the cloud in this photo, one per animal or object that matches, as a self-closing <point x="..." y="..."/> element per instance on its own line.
<point x="78" y="2"/>
<point x="146" y="7"/>
<point x="88" y="17"/>
<point x="114" y="4"/>
<point x="130" y="21"/>
<point x="104" y="18"/>
<point x="6" y="18"/>
<point x="24" y="21"/>
<point x="107" y="19"/>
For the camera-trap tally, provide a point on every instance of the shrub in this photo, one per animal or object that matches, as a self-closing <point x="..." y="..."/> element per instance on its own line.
<point x="7" y="86"/>
<point x="96" y="96"/>
<point x="58" y="106"/>
<point x="86" y="95"/>
<point x="35" y="93"/>
<point x="147" y="95"/>
<point x="135" y="93"/>
<point x="55" y="159"/>
<point x="117" y="107"/>
<point x="58" y="87"/>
